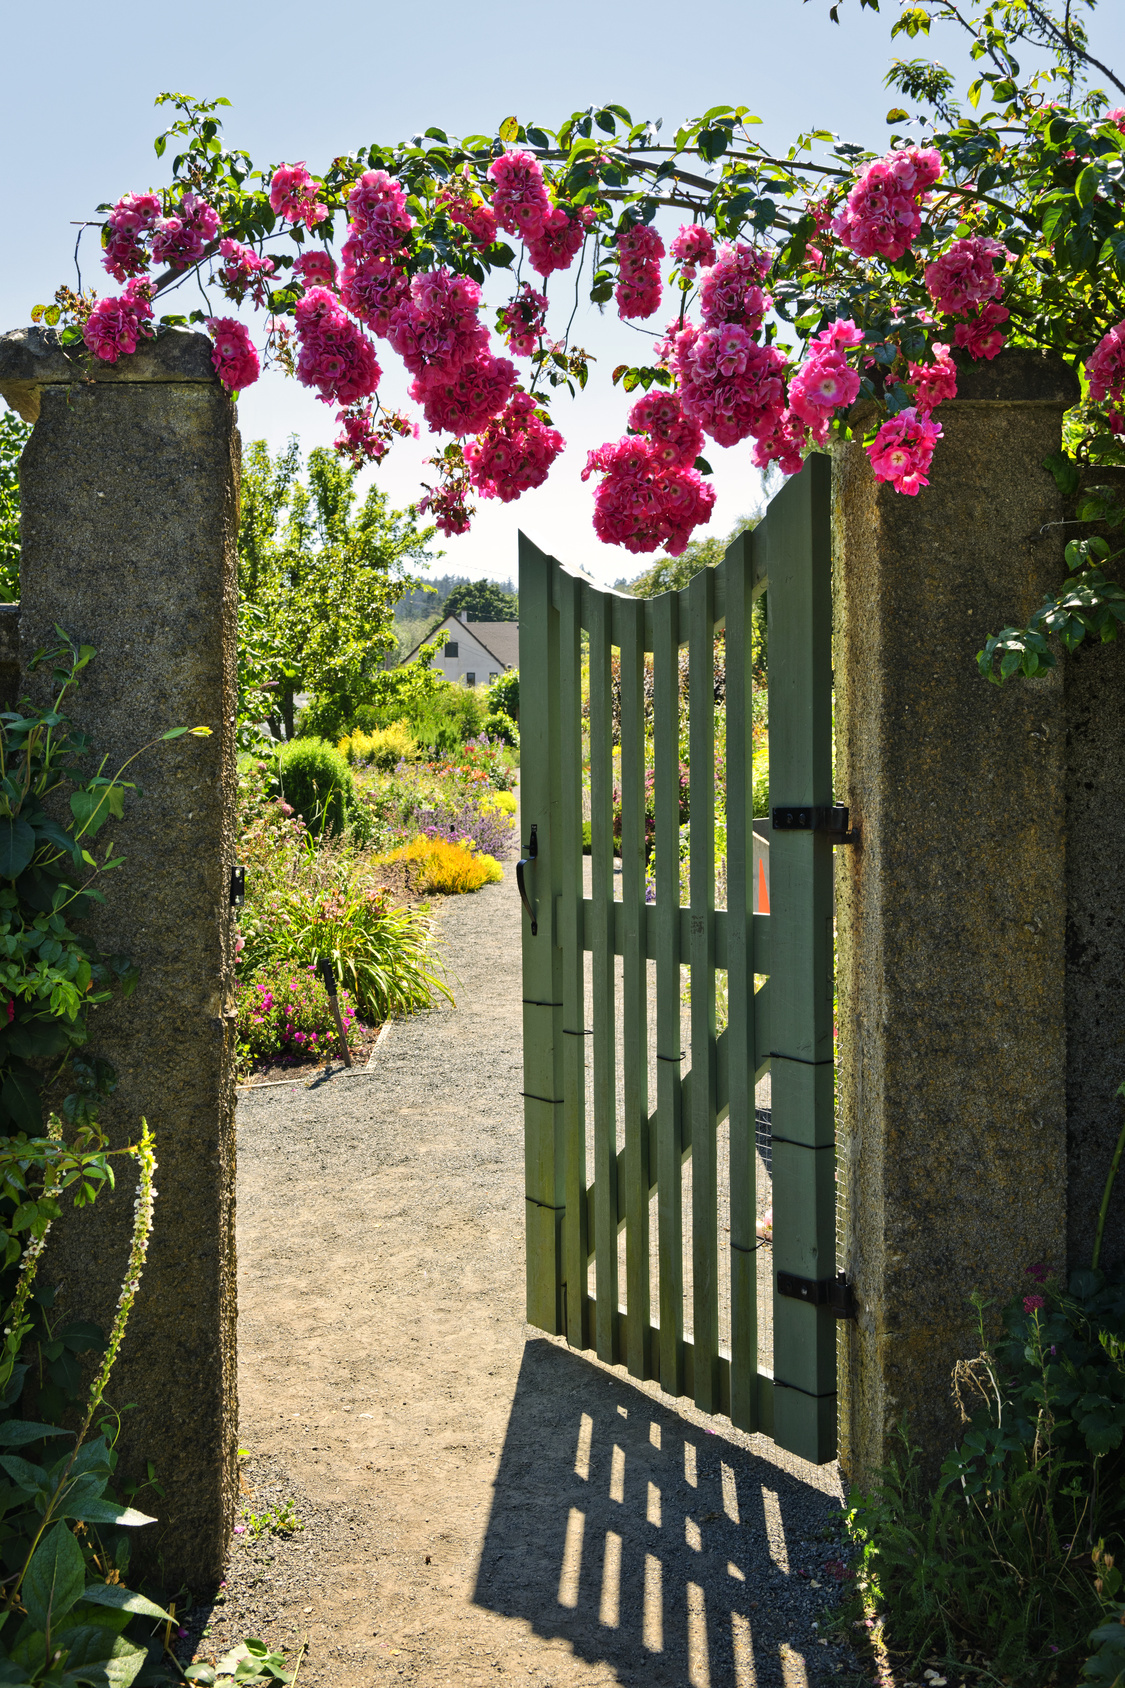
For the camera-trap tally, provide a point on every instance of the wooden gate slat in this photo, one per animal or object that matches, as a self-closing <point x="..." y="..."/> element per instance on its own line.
<point x="629" y="625"/>
<point x="740" y="991"/>
<point x="704" y="1101"/>
<point x="542" y="960"/>
<point x="572" y="937"/>
<point x="669" y="1039"/>
<point x="800" y="635"/>
<point x="597" y="620"/>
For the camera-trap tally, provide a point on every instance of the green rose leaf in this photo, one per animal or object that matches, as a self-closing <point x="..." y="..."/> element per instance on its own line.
<point x="17" y="846"/>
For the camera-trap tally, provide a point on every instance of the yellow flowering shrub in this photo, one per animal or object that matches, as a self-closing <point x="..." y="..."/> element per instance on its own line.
<point x="446" y="869"/>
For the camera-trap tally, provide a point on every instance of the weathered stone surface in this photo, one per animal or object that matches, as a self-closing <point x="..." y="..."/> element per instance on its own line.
<point x="129" y="497"/>
<point x="32" y="358"/>
<point x="951" y="912"/>
<point x="1095" y="934"/>
<point x="9" y="654"/>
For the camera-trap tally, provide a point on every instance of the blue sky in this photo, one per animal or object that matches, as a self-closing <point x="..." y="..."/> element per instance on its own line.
<point x="308" y="81"/>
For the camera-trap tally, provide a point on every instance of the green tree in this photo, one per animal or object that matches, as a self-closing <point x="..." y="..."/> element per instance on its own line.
<point x="482" y="600"/>
<point x="14" y="435"/>
<point x="668" y="574"/>
<point x="318" y="581"/>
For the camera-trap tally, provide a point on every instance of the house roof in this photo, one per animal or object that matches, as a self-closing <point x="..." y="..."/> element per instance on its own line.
<point x="501" y="639"/>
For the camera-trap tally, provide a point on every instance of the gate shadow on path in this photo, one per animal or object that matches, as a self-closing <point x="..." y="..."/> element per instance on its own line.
<point x="650" y="1544"/>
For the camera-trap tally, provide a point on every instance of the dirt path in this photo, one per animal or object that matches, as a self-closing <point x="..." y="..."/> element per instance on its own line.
<point x="480" y="1504"/>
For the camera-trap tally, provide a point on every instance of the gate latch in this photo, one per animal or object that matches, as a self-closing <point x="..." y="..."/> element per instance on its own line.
<point x="526" y="861"/>
<point x="831" y="819"/>
<point x="836" y="1292"/>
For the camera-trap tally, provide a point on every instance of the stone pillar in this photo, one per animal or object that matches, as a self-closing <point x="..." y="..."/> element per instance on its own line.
<point x="952" y="909"/>
<point x="129" y="495"/>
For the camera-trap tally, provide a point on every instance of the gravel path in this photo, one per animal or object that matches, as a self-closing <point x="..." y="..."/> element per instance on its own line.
<point x="480" y="1505"/>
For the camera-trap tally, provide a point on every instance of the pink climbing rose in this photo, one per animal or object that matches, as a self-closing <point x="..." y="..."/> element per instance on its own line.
<point x="234" y="357"/>
<point x="335" y="357"/>
<point x="903" y="449"/>
<point x="182" y="239"/>
<point x="1105" y="367"/>
<point x="293" y="195"/>
<point x="438" y="327"/>
<point x="980" y="336"/>
<point x="639" y="251"/>
<point x="515" y="451"/>
<point x="131" y="218"/>
<point x="520" y="200"/>
<point x="471" y="214"/>
<point x="882" y="215"/>
<point x="465" y="400"/>
<point x="934" y="382"/>
<point x="115" y="325"/>
<point x="379" y="223"/>
<point x="694" y="245"/>
<point x="648" y="498"/>
<point x="964" y="276"/>
<point x="315" y="269"/>
<point x="826" y="380"/>
<point x="731" y="291"/>
<point x="554" y="247"/>
<point x="522" y="320"/>
<point x="243" y="271"/>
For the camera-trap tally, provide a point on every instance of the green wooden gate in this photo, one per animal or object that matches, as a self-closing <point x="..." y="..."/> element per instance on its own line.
<point x="626" y="1090"/>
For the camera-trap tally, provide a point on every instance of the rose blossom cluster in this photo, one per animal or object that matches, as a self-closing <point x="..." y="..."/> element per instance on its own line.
<point x="372" y="281"/>
<point x="514" y="452"/>
<point x="364" y="440"/>
<point x="244" y="271"/>
<point x="693" y="246"/>
<point x="934" y="382"/>
<point x="1105" y="371"/>
<point x="882" y="216"/>
<point x="438" y="334"/>
<point x="472" y="214"/>
<point x="557" y="242"/>
<point x="132" y="217"/>
<point x="335" y="357"/>
<point x="182" y="239"/>
<point x="294" y="195"/>
<point x="519" y="202"/>
<point x="825" y="380"/>
<point x="963" y="283"/>
<point x="730" y="384"/>
<point x="234" y="359"/>
<point x="522" y="320"/>
<point x="650" y="495"/>
<point x="639" y="251"/>
<point x="903" y="449"/>
<point x="315" y="269"/>
<point x="115" y="325"/>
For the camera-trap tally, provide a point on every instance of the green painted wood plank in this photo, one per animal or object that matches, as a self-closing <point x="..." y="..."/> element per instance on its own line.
<point x="800" y="630"/>
<point x="665" y="916"/>
<point x="542" y="961"/>
<point x="704" y="1104"/>
<point x="629" y="623"/>
<point x="735" y="568"/>
<point x="571" y="937"/>
<point x="596" y="614"/>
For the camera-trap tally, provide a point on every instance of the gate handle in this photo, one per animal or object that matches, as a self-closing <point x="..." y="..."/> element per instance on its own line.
<point x="526" y="861"/>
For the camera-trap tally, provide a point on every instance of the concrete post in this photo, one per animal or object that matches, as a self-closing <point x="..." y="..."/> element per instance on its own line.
<point x="129" y="495"/>
<point x="952" y="910"/>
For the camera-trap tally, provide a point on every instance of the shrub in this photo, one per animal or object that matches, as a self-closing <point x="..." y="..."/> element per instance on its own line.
<point x="447" y="869"/>
<point x="326" y="718"/>
<point x="445" y="718"/>
<point x="326" y="910"/>
<point x="384" y="748"/>
<point x="501" y="726"/>
<point x="997" y="1559"/>
<point x="285" y="1011"/>
<point x="317" y="782"/>
<point x="503" y="696"/>
<point x="761" y="785"/>
<point x="503" y="802"/>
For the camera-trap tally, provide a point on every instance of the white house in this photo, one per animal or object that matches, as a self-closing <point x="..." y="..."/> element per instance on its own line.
<point x="474" y="653"/>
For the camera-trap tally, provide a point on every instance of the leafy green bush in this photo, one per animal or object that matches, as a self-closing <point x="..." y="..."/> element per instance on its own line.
<point x="503" y="696"/>
<point x="317" y="782"/>
<point x="997" y="1559"/>
<point x="446" y="718"/>
<point x="384" y="748"/>
<point x="500" y="726"/>
<point x="761" y="785"/>
<point x="325" y="909"/>
<point x="285" y="1011"/>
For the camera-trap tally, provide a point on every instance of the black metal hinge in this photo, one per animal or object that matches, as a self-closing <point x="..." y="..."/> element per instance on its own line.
<point x="238" y="887"/>
<point x="836" y="1292"/>
<point x="828" y="818"/>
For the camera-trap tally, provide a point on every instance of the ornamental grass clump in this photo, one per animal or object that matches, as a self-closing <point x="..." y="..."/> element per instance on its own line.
<point x="285" y="1012"/>
<point x="444" y="869"/>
